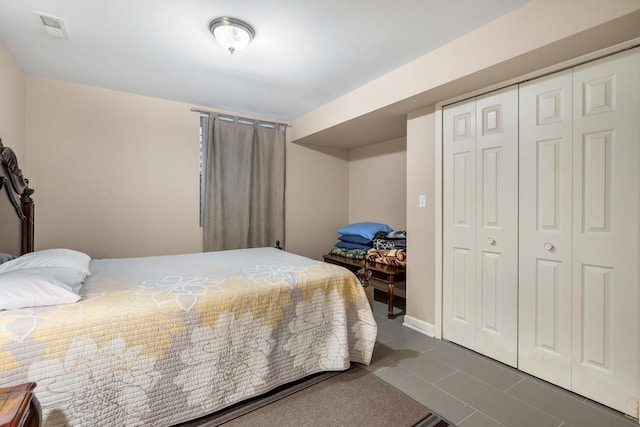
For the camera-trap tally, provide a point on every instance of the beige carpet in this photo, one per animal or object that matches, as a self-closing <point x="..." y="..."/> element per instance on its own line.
<point x="351" y="398"/>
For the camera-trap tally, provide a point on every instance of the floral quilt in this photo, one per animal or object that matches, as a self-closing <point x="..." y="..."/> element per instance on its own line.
<point x="157" y="341"/>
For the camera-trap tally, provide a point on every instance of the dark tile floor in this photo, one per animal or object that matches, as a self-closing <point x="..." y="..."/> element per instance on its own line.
<point x="471" y="390"/>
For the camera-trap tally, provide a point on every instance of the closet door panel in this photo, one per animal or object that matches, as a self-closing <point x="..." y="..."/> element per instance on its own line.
<point x="459" y="223"/>
<point x="606" y="231"/>
<point x="497" y="226"/>
<point x="544" y="339"/>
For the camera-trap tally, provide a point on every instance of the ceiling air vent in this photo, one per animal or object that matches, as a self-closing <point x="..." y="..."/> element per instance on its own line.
<point x="54" y="26"/>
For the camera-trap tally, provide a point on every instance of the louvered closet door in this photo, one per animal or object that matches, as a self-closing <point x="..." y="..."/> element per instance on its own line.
<point x="480" y="224"/>
<point x="606" y="231"/>
<point x="459" y="223"/>
<point x="544" y="346"/>
<point x="497" y="225"/>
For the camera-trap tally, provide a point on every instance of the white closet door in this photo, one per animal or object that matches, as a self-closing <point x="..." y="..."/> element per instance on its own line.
<point x="480" y="224"/>
<point x="544" y="347"/>
<point x="606" y="232"/>
<point x="459" y="222"/>
<point x="496" y="281"/>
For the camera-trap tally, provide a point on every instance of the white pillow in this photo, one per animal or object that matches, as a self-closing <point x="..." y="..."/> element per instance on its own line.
<point x="50" y="258"/>
<point x="39" y="286"/>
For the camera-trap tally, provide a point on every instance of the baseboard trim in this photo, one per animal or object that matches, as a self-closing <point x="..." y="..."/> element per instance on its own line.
<point x="418" y="325"/>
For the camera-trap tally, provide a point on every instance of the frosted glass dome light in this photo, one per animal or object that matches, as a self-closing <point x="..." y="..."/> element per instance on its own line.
<point x="232" y="34"/>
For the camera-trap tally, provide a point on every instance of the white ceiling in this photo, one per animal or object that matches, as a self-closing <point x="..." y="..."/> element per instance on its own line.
<point x="305" y="53"/>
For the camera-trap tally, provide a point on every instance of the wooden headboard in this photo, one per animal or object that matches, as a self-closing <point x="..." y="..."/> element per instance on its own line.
<point x="16" y="187"/>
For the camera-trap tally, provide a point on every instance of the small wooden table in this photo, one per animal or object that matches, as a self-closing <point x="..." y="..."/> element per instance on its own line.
<point x="19" y="407"/>
<point x="388" y="274"/>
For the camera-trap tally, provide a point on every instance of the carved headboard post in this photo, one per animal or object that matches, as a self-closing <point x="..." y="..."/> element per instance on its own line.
<point x="11" y="174"/>
<point x="28" y="222"/>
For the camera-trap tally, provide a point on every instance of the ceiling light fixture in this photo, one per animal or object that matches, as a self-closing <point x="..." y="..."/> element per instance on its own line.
<point x="232" y="34"/>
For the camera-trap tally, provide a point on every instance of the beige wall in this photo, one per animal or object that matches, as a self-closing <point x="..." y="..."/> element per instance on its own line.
<point x="421" y="238"/>
<point x="328" y="188"/>
<point x="116" y="174"/>
<point x="377" y="183"/>
<point x="12" y="125"/>
<point x="317" y="198"/>
<point x="12" y="112"/>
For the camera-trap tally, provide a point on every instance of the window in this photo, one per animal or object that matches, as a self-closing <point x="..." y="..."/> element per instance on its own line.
<point x="204" y="134"/>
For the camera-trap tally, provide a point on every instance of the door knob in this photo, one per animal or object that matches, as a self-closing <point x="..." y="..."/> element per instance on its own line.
<point x="548" y="246"/>
<point x="491" y="241"/>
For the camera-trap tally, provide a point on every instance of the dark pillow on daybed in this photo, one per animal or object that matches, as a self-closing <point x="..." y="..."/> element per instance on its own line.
<point x="354" y="238"/>
<point x="349" y="245"/>
<point x="6" y="257"/>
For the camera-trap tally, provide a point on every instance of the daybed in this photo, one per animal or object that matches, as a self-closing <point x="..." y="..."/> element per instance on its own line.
<point x="161" y="340"/>
<point x="372" y="250"/>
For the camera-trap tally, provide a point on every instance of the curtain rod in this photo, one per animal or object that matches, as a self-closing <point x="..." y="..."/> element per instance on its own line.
<point x="197" y="110"/>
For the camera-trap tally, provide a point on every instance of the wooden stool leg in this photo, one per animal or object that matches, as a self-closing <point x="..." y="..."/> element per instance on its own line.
<point x="390" y="303"/>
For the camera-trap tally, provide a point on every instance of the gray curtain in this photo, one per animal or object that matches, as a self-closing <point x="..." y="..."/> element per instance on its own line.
<point x="244" y="188"/>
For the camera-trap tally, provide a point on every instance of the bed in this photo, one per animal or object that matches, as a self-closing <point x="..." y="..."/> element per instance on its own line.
<point x="163" y="340"/>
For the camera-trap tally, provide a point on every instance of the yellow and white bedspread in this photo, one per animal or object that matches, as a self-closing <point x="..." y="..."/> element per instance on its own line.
<point x="160" y="340"/>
